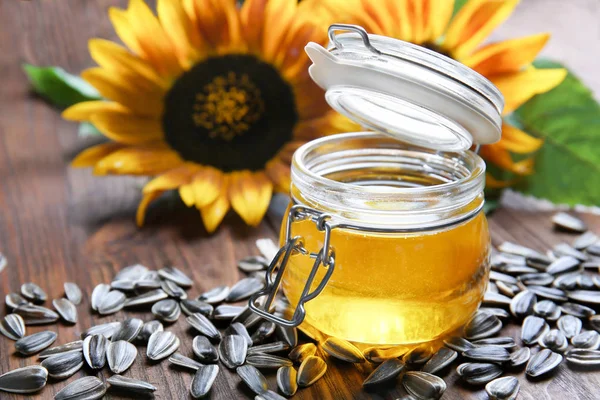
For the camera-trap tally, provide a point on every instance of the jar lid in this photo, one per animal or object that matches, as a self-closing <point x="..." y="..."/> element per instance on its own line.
<point x="406" y="91"/>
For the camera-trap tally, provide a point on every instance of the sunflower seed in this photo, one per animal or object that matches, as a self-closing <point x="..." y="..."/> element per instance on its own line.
<point x="589" y="340"/>
<point x="488" y="354"/>
<point x="286" y="334"/>
<point x="3" y="262"/>
<point x="522" y="304"/>
<point x="226" y="312"/>
<point x="537" y="278"/>
<point x="72" y="347"/>
<point x="35" y="343"/>
<point x="311" y="370"/>
<point x="66" y="310"/>
<point x="111" y="302"/>
<point x="593" y="264"/>
<point x="13" y="326"/>
<point x="248" y="318"/>
<point x="24" y="380"/>
<point x="175" y="275"/>
<point x="173" y="290"/>
<point x="495" y="299"/>
<point x="190" y="307"/>
<point x="569" y="325"/>
<point x="542" y="363"/>
<point x="98" y="294"/>
<point x="479" y="373"/>
<point x="237" y="328"/>
<point x="63" y="366"/>
<point x="440" y="360"/>
<point x="504" y="341"/>
<point x="566" y="281"/>
<point x="568" y="222"/>
<point x="233" y="350"/>
<point x="252" y="377"/>
<point x="120" y="355"/>
<point x="458" y="343"/>
<point x="385" y="372"/>
<point x="577" y="310"/>
<point x="107" y="330"/>
<point x="260" y="360"/>
<point x="585" y="296"/>
<point x="423" y="385"/>
<point x="204" y="350"/>
<point x="129" y="330"/>
<point x="343" y="350"/>
<point x="148" y="329"/>
<point x="264" y="331"/>
<point x="594" y="321"/>
<point x="547" y="309"/>
<point x="86" y="388"/>
<point x="269" y="395"/>
<point x="563" y="249"/>
<point x="133" y="386"/>
<point x="167" y="310"/>
<point x="519" y="357"/>
<point x="14" y="300"/>
<point x="507" y="258"/>
<point x="145" y="285"/>
<point x="585" y="282"/>
<point x="287" y="380"/>
<point x="33" y="292"/>
<point x="94" y="351"/>
<point x="562" y="265"/>
<point x="587" y="358"/>
<point x="301" y="352"/>
<point x="594" y="250"/>
<point x="506" y="388"/>
<point x="507" y="289"/>
<point x="532" y="329"/>
<point x="554" y="340"/>
<point x="253" y="263"/>
<point x="512" y="248"/>
<point x="491" y="287"/>
<point x="73" y="293"/>
<point x="244" y="289"/>
<point x="36" y="315"/>
<point x="418" y="355"/>
<point x="548" y="293"/>
<point x="204" y="326"/>
<point x="482" y="325"/>
<point x="520" y="269"/>
<point x="500" y="277"/>
<point x="150" y="297"/>
<point x="215" y="295"/>
<point x="379" y="354"/>
<point x="274" y="347"/>
<point x="161" y="345"/>
<point x="203" y="380"/>
<point x="132" y="272"/>
<point x="183" y="361"/>
<point x="124" y="285"/>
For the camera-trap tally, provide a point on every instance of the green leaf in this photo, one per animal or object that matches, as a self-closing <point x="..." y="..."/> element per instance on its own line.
<point x="59" y="87"/>
<point x="567" y="169"/>
<point x="87" y="129"/>
<point x="458" y="4"/>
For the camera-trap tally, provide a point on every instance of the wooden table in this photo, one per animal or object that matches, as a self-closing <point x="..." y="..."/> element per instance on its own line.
<point x="59" y="224"/>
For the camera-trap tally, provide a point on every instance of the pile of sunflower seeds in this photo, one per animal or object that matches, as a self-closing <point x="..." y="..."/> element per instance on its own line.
<point x="551" y="295"/>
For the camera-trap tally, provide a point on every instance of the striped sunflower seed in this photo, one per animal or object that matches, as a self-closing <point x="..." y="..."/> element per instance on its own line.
<point x="204" y="326"/>
<point x="522" y="304"/>
<point x="268" y="348"/>
<point x="167" y="310"/>
<point x="107" y="330"/>
<point x="189" y="307"/>
<point x="507" y="289"/>
<point x="387" y="371"/>
<point x="482" y="325"/>
<point x="506" y="388"/>
<point x="131" y="386"/>
<point x="487" y="354"/>
<point x="215" y="295"/>
<point x="232" y="351"/>
<point x="343" y="350"/>
<point x="264" y="331"/>
<point x="301" y="352"/>
<point x="594" y="322"/>
<point x="183" y="361"/>
<point x="495" y="299"/>
<point x="311" y="370"/>
<point x="129" y="330"/>
<point x="146" y="298"/>
<point x="66" y="310"/>
<point x="267" y="361"/>
<point x="586" y="282"/>
<point x="35" y="343"/>
<point x="288" y="335"/>
<point x="563" y="265"/>
<point x="132" y="272"/>
<point x="548" y="293"/>
<point x="568" y="222"/>
<point x="479" y="373"/>
<point x="418" y="355"/>
<point x="536" y="278"/>
<point x="98" y="294"/>
<point x="204" y="350"/>
<point x="269" y="395"/>
<point x="33" y="292"/>
<point x="94" y="351"/>
<point x="203" y="380"/>
<point x="500" y="277"/>
<point x="520" y="357"/>
<point x="594" y="250"/>
<point x="36" y="315"/>
<point x="253" y="264"/>
<point x="547" y="309"/>
<point x="87" y="388"/>
<point x="244" y="289"/>
<point x="73" y="293"/>
<point x="123" y="285"/>
<point x="173" y="290"/>
<point x="542" y="363"/>
<point x="253" y="378"/>
<point x="458" y="343"/>
<point x="532" y="329"/>
<point x="423" y="385"/>
<point x="145" y="285"/>
<point x="569" y="325"/>
<point x="589" y="340"/>
<point x="120" y="355"/>
<point x="227" y="312"/>
<point x="111" y="302"/>
<point x="577" y="310"/>
<point x="13" y="326"/>
<point x="72" y="347"/>
<point x="440" y="360"/>
<point x="554" y="340"/>
<point x="64" y="365"/>
<point x="148" y="329"/>
<point x="584" y="357"/>
<point x="585" y="296"/>
<point x="517" y="249"/>
<point x="24" y="380"/>
<point x="566" y="281"/>
<point x="176" y="275"/>
<point x="161" y="345"/>
<point x="14" y="300"/>
<point x="563" y="249"/>
<point x="287" y="380"/>
<point x="237" y="328"/>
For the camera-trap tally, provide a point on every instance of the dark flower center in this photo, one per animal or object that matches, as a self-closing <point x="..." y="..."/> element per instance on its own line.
<point x="232" y="112"/>
<point x="436" y="48"/>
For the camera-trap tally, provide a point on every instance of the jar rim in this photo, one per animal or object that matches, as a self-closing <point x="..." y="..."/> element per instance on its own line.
<point x="460" y="192"/>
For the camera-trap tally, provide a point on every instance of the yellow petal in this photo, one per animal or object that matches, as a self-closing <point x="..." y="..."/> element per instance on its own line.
<point x="124" y="92"/>
<point x="519" y="87"/>
<point x="519" y="142"/>
<point x="252" y="16"/>
<point x="125" y="127"/>
<point x="207" y="184"/>
<point x="250" y="194"/>
<point x="83" y="111"/>
<point x="89" y="157"/>
<point x="498" y="155"/>
<point x="186" y="192"/>
<point x="440" y="12"/>
<point x="172" y="179"/>
<point x="148" y="160"/>
<point x="494" y="183"/>
<point x="146" y="200"/>
<point x="507" y="56"/>
<point x="213" y="213"/>
<point x="279" y="173"/>
<point x="120" y="22"/>
<point x="418" y="13"/>
<point x="219" y="23"/>
<point x="279" y="15"/>
<point x="473" y="23"/>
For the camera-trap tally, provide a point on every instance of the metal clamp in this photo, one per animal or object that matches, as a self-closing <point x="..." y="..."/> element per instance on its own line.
<point x="325" y="258"/>
<point x="353" y="28"/>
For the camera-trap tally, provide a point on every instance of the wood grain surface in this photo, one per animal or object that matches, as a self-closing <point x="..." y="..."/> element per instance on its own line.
<point x="59" y="224"/>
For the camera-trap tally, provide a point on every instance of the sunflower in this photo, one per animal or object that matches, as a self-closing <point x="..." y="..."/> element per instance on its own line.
<point x="507" y="64"/>
<point x="209" y="98"/>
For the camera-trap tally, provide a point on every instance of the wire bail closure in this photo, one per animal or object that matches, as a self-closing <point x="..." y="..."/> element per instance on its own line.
<point x="325" y="258"/>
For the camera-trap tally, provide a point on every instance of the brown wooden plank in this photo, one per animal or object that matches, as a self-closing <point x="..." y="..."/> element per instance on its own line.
<point x="58" y="224"/>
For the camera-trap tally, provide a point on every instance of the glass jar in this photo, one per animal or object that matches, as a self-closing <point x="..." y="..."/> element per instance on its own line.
<point x="385" y="241"/>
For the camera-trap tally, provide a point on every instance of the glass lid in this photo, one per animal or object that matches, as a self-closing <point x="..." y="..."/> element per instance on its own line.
<point x="406" y="91"/>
